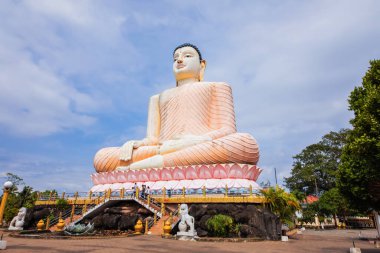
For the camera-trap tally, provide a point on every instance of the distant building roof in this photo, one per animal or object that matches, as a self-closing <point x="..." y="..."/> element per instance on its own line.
<point x="311" y="199"/>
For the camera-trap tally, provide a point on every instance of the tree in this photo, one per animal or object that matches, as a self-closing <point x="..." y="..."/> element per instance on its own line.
<point x="25" y="198"/>
<point x="309" y="211"/>
<point x="281" y="203"/>
<point x="16" y="180"/>
<point x="359" y="173"/>
<point x="314" y="169"/>
<point x="334" y="203"/>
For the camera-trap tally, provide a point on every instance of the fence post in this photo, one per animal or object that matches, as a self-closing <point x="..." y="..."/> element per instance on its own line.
<point x="47" y="222"/>
<point x="204" y="191"/>
<point x="72" y="213"/>
<point x="163" y="193"/>
<point x="84" y="210"/>
<point x="63" y="195"/>
<point x="226" y="194"/>
<point x="122" y="193"/>
<point x="183" y="192"/>
<point x="250" y="190"/>
<point x="90" y="196"/>
<point x="105" y="195"/>
<point x="75" y="197"/>
<point x="155" y="217"/>
<point x="163" y="209"/>
<point x="148" y="200"/>
<point x="137" y="192"/>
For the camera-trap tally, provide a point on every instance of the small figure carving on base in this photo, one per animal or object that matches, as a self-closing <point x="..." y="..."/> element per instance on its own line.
<point x="186" y="225"/>
<point x="17" y="222"/>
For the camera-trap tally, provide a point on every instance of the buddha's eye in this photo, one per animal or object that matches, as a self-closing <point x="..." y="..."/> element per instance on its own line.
<point x="188" y="56"/>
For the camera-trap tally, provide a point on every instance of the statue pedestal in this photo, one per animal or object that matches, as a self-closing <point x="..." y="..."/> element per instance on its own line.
<point x="3" y="244"/>
<point x="15" y="228"/>
<point x="186" y="238"/>
<point x="190" y="177"/>
<point x="187" y="233"/>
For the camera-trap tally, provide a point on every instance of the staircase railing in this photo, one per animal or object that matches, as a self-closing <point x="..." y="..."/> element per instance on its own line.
<point x="65" y="214"/>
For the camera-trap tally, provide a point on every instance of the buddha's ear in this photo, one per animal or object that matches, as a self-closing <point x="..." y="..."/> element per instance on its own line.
<point x="202" y="71"/>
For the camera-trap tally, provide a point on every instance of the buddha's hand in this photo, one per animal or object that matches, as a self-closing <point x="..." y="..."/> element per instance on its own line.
<point x="181" y="142"/>
<point x="145" y="142"/>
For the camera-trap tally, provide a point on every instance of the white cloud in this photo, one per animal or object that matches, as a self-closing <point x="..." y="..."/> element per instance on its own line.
<point x="44" y="47"/>
<point x="43" y="172"/>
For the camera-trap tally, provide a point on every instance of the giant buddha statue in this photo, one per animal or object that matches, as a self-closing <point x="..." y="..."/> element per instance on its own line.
<point x="190" y="124"/>
<point x="191" y="138"/>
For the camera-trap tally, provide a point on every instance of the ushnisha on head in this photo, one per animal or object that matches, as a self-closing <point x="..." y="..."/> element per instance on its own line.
<point x="188" y="65"/>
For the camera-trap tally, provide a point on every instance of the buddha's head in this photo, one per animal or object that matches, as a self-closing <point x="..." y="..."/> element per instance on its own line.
<point x="21" y="212"/>
<point x="184" y="209"/>
<point x="188" y="63"/>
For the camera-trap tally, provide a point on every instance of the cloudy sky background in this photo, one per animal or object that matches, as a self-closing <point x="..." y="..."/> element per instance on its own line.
<point x="76" y="76"/>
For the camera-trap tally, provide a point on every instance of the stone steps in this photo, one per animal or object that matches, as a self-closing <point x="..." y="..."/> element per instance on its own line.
<point x="66" y="221"/>
<point x="158" y="228"/>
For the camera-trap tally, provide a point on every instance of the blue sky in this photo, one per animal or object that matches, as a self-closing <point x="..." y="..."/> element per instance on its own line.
<point x="76" y="76"/>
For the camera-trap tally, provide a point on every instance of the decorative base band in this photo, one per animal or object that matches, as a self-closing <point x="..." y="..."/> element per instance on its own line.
<point x="213" y="171"/>
<point x="195" y="184"/>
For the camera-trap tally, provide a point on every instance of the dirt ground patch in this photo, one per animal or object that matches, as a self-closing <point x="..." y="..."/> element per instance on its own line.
<point x="310" y="241"/>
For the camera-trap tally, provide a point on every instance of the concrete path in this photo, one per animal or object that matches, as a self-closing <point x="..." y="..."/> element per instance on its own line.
<point x="310" y="241"/>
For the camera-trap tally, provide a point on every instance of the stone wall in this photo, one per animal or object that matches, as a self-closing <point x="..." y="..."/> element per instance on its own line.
<point x="254" y="221"/>
<point x="120" y="217"/>
<point x="34" y="215"/>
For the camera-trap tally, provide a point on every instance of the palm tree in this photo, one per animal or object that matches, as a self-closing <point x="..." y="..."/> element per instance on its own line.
<point x="282" y="204"/>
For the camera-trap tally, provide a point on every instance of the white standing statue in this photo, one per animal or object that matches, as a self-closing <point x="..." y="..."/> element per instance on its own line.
<point x="186" y="221"/>
<point x="17" y="222"/>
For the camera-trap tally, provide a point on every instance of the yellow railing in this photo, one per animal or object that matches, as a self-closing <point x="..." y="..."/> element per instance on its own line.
<point x="210" y="199"/>
<point x="163" y="196"/>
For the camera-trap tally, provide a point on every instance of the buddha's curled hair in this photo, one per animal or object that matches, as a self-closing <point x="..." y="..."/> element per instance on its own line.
<point x="189" y="45"/>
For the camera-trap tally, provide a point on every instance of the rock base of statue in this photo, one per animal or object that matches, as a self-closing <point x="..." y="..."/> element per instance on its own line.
<point x="212" y="176"/>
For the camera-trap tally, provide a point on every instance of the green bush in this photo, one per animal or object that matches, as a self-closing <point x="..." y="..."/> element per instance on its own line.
<point x="220" y="225"/>
<point x="236" y="229"/>
<point x="61" y="204"/>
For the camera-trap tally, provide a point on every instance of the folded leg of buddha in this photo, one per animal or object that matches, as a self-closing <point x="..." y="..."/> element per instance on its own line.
<point x="232" y="148"/>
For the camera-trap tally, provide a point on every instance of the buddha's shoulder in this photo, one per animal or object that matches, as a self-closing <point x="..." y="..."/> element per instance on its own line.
<point x="211" y="85"/>
<point x="216" y="85"/>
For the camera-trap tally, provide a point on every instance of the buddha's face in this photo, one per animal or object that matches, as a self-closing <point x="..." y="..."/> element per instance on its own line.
<point x="22" y="212"/>
<point x="184" y="209"/>
<point x="186" y="64"/>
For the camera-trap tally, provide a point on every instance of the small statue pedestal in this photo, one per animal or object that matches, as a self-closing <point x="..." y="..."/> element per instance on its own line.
<point x="3" y="244"/>
<point x="186" y="221"/>
<point x="187" y="236"/>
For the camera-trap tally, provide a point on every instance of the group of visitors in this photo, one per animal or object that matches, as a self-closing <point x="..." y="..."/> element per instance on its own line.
<point x="143" y="192"/>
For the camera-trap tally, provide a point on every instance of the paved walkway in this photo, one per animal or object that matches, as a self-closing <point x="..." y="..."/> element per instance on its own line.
<point x="310" y="241"/>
